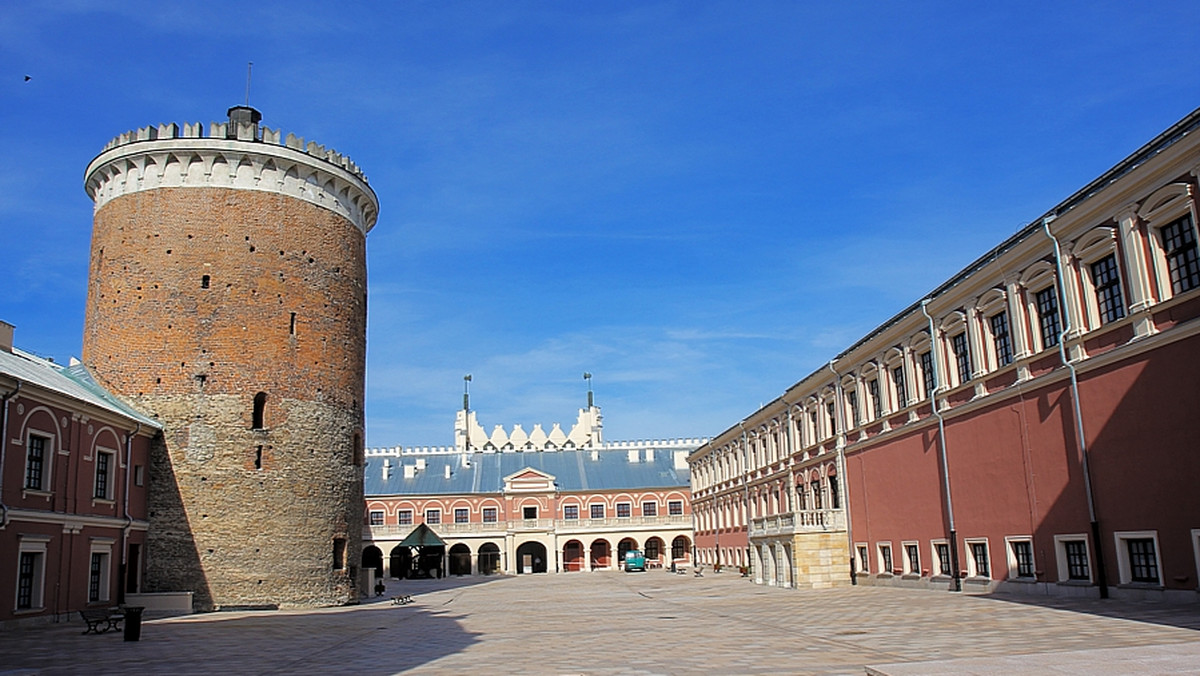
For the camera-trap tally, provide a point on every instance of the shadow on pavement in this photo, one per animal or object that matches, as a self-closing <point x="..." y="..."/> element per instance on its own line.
<point x="1182" y="615"/>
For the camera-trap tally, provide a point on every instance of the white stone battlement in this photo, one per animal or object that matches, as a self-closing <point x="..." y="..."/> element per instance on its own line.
<point x="232" y="155"/>
<point x="687" y="444"/>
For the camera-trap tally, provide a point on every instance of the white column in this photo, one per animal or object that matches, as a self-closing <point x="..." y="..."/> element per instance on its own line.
<point x="1133" y="252"/>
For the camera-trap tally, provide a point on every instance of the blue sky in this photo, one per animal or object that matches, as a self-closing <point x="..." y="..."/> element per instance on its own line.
<point x="697" y="202"/>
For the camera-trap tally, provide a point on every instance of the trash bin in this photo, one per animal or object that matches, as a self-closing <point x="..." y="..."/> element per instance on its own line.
<point x="133" y="623"/>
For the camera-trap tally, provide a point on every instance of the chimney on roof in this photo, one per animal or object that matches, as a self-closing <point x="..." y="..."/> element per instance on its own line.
<point x="6" y="336"/>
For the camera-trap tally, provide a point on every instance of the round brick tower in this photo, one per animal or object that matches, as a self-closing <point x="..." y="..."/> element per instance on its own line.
<point x="228" y="298"/>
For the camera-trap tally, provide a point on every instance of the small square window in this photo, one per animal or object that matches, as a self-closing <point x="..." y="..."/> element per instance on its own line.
<point x="376" y="517"/>
<point x="571" y="512"/>
<point x="597" y="511"/>
<point x="529" y="512"/>
<point x="624" y="510"/>
<point x="649" y="509"/>
<point x="675" y="507"/>
<point x="433" y="516"/>
<point x="489" y="515"/>
<point x="404" y="517"/>
<point x="462" y="515"/>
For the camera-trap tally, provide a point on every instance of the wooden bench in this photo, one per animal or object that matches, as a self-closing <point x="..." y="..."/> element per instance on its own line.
<point x="401" y="600"/>
<point x="100" y="620"/>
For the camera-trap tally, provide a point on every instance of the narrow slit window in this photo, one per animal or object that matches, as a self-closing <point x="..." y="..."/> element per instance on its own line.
<point x="205" y="281"/>
<point x="292" y="324"/>
<point x="260" y="405"/>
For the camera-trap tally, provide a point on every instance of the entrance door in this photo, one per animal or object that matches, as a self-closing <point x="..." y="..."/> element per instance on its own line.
<point x="531" y="558"/>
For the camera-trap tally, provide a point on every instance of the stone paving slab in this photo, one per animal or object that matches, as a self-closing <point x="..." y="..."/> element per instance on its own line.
<point x="1183" y="658"/>
<point x="612" y="623"/>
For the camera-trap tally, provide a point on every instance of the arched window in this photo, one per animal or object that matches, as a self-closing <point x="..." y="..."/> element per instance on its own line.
<point x="260" y="405"/>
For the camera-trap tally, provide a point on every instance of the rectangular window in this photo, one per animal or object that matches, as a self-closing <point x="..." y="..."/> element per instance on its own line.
<point x="339" y="553"/>
<point x="853" y="397"/>
<point x="1000" y="338"/>
<point x="864" y="564"/>
<point x="962" y="356"/>
<point x="96" y="577"/>
<point x="912" y="555"/>
<point x="103" y="469"/>
<point x="462" y="515"/>
<point x="597" y="511"/>
<point x="1077" y="560"/>
<point x="433" y="516"/>
<point x="35" y="463"/>
<point x="979" y="560"/>
<point x="624" y="510"/>
<point x="1109" y="301"/>
<point x="885" y="559"/>
<point x="835" y="501"/>
<point x="901" y="386"/>
<point x="139" y="475"/>
<point x="943" y="555"/>
<point x="29" y="572"/>
<point x="1143" y="561"/>
<point x="489" y="515"/>
<point x="1047" y="309"/>
<point x="927" y="379"/>
<point x="1179" y="245"/>
<point x="376" y="517"/>
<point x="649" y="509"/>
<point x="816" y="430"/>
<point x="675" y="507"/>
<point x="832" y="420"/>
<point x="529" y="512"/>
<point x="1022" y="553"/>
<point x="404" y="517"/>
<point x="571" y="512"/>
<point x="876" y="402"/>
<point x="816" y="493"/>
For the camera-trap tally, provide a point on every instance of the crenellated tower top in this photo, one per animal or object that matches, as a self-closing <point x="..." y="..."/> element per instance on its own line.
<point x="237" y="154"/>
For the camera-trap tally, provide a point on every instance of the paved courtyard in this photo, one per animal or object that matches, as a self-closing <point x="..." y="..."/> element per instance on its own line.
<point x="648" y="623"/>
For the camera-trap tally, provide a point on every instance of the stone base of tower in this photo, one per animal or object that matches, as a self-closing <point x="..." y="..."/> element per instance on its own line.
<point x="822" y="560"/>
<point x="247" y="517"/>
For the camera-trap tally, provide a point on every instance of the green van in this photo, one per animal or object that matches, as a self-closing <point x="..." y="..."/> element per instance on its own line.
<point x="635" y="560"/>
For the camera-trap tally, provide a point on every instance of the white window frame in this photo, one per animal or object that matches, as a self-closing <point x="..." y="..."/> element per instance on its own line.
<point x="1011" y="557"/>
<point x="468" y="514"/>
<point x="992" y="303"/>
<point x="110" y="480"/>
<point x="32" y="544"/>
<point x="935" y="561"/>
<point x="628" y="509"/>
<point x="437" y="518"/>
<point x="1097" y="243"/>
<point x="861" y="550"/>
<point x="48" y="453"/>
<point x="104" y="548"/>
<point x="1060" y="553"/>
<point x="371" y="517"/>
<point x="400" y="520"/>
<point x="1124" y="568"/>
<point x="908" y="569"/>
<point x="972" y="569"/>
<point x="654" y="507"/>
<point x="592" y="510"/>
<point x="1163" y="207"/>
<point x="671" y="507"/>
<point x="879" y="548"/>
<point x="483" y="514"/>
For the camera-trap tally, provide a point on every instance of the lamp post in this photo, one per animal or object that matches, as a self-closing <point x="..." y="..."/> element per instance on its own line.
<point x="467" y="410"/>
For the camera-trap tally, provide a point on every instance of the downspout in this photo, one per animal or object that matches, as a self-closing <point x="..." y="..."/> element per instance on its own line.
<point x="125" y="510"/>
<point x="746" y="489"/>
<point x="3" y="452"/>
<point x="956" y="585"/>
<point x="841" y="466"/>
<point x="1065" y="320"/>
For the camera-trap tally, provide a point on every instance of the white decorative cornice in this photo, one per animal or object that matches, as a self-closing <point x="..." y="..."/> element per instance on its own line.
<point x="163" y="157"/>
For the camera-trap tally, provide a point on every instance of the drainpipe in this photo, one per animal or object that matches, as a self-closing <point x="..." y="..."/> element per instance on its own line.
<point x="956" y="585"/>
<point x="1065" y="321"/>
<point x="746" y="489"/>
<point x="3" y="452"/>
<point x="125" y="510"/>
<point x="841" y="464"/>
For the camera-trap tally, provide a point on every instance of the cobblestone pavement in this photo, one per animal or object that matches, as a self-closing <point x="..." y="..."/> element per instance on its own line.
<point x="614" y="623"/>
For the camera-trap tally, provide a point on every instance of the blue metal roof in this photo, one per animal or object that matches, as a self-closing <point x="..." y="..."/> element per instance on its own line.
<point x="573" y="470"/>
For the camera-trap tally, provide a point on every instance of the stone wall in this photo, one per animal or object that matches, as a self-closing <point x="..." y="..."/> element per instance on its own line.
<point x="822" y="560"/>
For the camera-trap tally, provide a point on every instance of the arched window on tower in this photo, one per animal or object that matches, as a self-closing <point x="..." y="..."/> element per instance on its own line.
<point x="260" y="405"/>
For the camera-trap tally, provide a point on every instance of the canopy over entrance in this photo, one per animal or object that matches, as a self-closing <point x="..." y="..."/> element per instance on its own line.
<point x="422" y="536"/>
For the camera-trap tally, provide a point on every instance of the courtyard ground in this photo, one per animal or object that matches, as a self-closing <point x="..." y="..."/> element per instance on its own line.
<point x="639" y="623"/>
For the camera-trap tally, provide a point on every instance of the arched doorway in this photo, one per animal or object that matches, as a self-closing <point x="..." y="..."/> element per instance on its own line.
<point x="654" y="551"/>
<point x="623" y="546"/>
<point x="600" y="554"/>
<point x="679" y="548"/>
<point x="372" y="557"/>
<point x="489" y="559"/>
<point x="573" y="556"/>
<point x="460" y="559"/>
<point x="401" y="563"/>
<point x="531" y="558"/>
